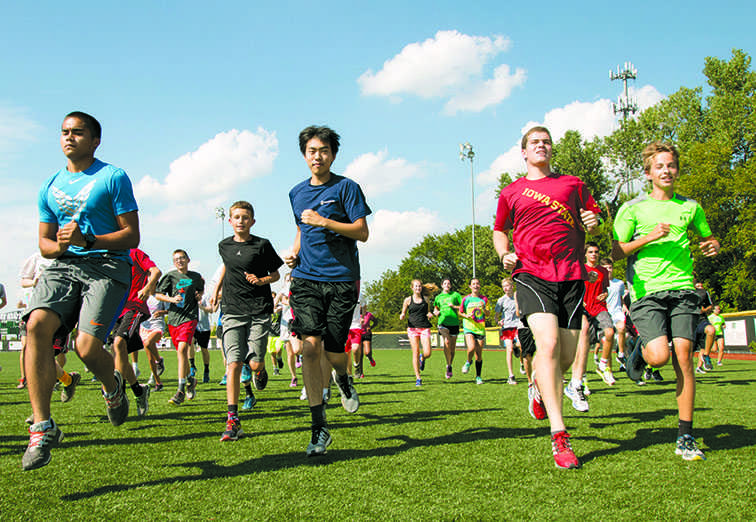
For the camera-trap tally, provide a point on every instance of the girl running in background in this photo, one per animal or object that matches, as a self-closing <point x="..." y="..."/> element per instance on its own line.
<point x="416" y="309"/>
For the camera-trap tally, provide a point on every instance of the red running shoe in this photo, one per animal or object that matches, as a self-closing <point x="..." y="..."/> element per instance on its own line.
<point x="564" y="457"/>
<point x="535" y="403"/>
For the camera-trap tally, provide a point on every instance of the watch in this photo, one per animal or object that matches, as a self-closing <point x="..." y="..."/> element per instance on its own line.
<point x="90" y="239"/>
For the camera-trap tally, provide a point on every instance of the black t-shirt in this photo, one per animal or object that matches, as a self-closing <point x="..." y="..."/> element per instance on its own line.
<point x="254" y="256"/>
<point x="705" y="301"/>
<point x="185" y="285"/>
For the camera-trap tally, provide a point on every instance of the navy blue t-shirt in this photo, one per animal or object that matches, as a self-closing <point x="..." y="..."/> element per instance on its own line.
<point x="325" y="255"/>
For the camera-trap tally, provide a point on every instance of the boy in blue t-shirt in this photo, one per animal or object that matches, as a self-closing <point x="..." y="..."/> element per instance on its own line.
<point x="330" y="212"/>
<point x="88" y="222"/>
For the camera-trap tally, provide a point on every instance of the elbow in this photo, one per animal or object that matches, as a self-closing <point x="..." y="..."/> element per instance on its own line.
<point x="134" y="239"/>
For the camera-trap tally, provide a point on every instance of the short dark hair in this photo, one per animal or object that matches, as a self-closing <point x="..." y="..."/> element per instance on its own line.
<point x="606" y="261"/>
<point x="182" y="251"/>
<point x="526" y="136"/>
<point x="591" y="244"/>
<point x="324" y="134"/>
<point x="244" y="205"/>
<point x="90" y="122"/>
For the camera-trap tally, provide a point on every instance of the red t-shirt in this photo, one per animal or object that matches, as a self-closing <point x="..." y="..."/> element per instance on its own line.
<point x="544" y="215"/>
<point x="140" y="272"/>
<point x="590" y="299"/>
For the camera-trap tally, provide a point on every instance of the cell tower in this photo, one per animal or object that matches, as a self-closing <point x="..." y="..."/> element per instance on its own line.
<point x="625" y="104"/>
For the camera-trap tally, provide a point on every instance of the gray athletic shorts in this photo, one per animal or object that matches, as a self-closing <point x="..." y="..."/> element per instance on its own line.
<point x="90" y="291"/>
<point x="600" y="322"/>
<point x="245" y="337"/>
<point x="672" y="313"/>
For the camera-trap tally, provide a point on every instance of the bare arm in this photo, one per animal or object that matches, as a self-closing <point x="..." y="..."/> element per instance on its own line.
<point x="405" y="305"/>
<point x="503" y="247"/>
<point x="149" y="287"/>
<point x="216" y="291"/>
<point x="292" y="257"/>
<point x="621" y="250"/>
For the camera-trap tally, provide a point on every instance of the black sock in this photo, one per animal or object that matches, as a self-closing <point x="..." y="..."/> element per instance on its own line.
<point x="248" y="389"/>
<point x="207" y="367"/>
<point x="478" y="366"/>
<point x="344" y="385"/>
<point x="318" y="416"/>
<point x="684" y="428"/>
<point x="137" y="389"/>
<point x="233" y="410"/>
<point x="191" y="363"/>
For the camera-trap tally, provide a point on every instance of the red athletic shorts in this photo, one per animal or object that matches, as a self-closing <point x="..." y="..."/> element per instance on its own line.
<point x="183" y="333"/>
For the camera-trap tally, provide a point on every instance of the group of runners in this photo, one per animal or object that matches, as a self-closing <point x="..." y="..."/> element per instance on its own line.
<point x="101" y="284"/>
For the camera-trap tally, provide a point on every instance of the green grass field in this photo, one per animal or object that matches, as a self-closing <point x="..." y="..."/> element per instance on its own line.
<point x="450" y="450"/>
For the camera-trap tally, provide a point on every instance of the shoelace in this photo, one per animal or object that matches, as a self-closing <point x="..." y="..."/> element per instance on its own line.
<point x="39" y="438"/>
<point x="561" y="443"/>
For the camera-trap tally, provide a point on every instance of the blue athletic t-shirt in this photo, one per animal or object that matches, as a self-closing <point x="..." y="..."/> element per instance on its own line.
<point x="325" y="255"/>
<point x="93" y="198"/>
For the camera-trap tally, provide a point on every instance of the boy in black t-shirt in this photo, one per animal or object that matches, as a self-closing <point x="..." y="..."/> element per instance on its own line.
<point x="250" y="265"/>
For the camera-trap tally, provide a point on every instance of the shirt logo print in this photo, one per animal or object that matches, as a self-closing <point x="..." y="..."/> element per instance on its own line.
<point x="73" y="206"/>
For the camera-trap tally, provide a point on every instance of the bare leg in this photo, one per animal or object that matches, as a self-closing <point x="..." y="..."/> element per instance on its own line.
<point x="40" y="361"/>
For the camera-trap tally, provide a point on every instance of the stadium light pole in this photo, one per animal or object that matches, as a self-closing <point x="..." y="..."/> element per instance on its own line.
<point x="220" y="214"/>
<point x="466" y="153"/>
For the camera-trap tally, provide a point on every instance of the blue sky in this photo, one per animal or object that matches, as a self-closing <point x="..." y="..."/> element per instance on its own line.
<point x="202" y="105"/>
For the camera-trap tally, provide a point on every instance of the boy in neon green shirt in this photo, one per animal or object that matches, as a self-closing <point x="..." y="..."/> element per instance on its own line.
<point x="718" y="322"/>
<point x="652" y="232"/>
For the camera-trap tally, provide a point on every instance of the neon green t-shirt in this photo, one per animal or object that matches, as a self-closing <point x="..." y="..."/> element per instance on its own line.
<point x="717" y="321"/>
<point x="447" y="315"/>
<point x="664" y="264"/>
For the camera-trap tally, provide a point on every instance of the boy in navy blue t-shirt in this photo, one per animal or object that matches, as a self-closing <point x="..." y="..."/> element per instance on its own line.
<point x="330" y="212"/>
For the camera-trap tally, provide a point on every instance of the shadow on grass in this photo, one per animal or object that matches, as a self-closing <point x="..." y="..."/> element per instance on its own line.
<point x="266" y="463"/>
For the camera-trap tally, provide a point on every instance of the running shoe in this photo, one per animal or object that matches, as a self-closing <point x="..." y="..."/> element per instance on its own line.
<point x="511" y="380"/>
<point x="192" y="371"/>
<point x="151" y="380"/>
<point x="68" y="391"/>
<point x="41" y="441"/>
<point x="449" y="372"/>
<point x="249" y="402"/>
<point x="143" y="401"/>
<point x="418" y="382"/>
<point x="276" y="371"/>
<point x="191" y="387"/>
<point x="688" y="449"/>
<point x="206" y="376"/>
<point x="260" y="379"/>
<point x="30" y="419"/>
<point x="535" y="403"/>
<point x="422" y="363"/>
<point x="635" y="363"/>
<point x="159" y="387"/>
<point x="293" y="383"/>
<point x="223" y="380"/>
<point x="648" y="375"/>
<point x="607" y="376"/>
<point x="586" y="389"/>
<point x="160" y="366"/>
<point x="576" y="395"/>
<point x="349" y="398"/>
<point x="466" y="367"/>
<point x="595" y="358"/>
<point x="137" y="372"/>
<point x="233" y="430"/>
<point x="177" y="399"/>
<point x="700" y="370"/>
<point x="719" y="363"/>
<point x="657" y="376"/>
<point x="522" y="370"/>
<point x="564" y="457"/>
<point x="303" y="395"/>
<point x="298" y="363"/>
<point x="478" y="380"/>
<point x="319" y="442"/>
<point x="21" y="384"/>
<point x="640" y="382"/>
<point x="707" y="363"/>
<point x="327" y="394"/>
<point x="118" y="403"/>
<point x="621" y="359"/>
<point x="372" y="361"/>
<point x="246" y="374"/>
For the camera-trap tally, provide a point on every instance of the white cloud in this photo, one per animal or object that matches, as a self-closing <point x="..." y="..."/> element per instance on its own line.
<point x="591" y="119"/>
<point x="490" y="92"/>
<point x="215" y="168"/>
<point x="394" y="232"/>
<point x="377" y="174"/>
<point x="449" y="65"/>
<point x="19" y="230"/>
<point x="16" y="127"/>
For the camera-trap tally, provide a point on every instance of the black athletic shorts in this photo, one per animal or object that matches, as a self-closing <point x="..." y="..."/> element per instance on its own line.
<point x="367" y="336"/>
<point x="202" y="338"/>
<point x="563" y="299"/>
<point x="452" y="329"/>
<point x="324" y="309"/>
<point x="127" y="327"/>
<point x="526" y="341"/>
